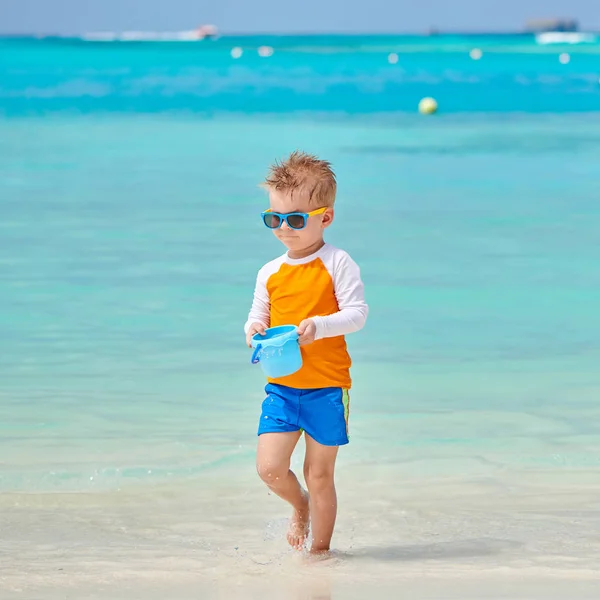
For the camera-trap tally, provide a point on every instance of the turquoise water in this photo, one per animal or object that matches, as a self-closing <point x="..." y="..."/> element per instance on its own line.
<point x="129" y="243"/>
<point x="341" y="74"/>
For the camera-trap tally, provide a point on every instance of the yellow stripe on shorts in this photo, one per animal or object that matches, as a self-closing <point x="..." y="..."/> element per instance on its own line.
<point x="346" y="401"/>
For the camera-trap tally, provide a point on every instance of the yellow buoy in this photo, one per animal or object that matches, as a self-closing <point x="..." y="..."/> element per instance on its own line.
<point x="428" y="106"/>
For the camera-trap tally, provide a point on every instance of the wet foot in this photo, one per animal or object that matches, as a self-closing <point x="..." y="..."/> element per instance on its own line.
<point x="299" y="525"/>
<point x="318" y="556"/>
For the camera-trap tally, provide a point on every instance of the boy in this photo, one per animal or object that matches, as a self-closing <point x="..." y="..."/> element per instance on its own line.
<point x="318" y="288"/>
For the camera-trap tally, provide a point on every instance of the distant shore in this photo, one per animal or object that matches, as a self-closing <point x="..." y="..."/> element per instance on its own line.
<point x="415" y="34"/>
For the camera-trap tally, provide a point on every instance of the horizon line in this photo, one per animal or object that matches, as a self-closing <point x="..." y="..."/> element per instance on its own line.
<point x="420" y="33"/>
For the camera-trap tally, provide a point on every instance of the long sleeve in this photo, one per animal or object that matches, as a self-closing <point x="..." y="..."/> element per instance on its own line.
<point x="261" y="306"/>
<point x="350" y="295"/>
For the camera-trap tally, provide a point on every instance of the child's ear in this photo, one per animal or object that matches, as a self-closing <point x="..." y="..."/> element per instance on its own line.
<point x="327" y="218"/>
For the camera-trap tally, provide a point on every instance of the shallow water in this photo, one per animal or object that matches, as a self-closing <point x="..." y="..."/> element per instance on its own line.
<point x="129" y="242"/>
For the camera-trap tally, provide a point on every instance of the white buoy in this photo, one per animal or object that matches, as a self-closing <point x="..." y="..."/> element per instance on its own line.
<point x="428" y="106"/>
<point x="236" y="52"/>
<point x="265" y="51"/>
<point x="565" y="58"/>
<point x="393" y="58"/>
<point x="476" y="54"/>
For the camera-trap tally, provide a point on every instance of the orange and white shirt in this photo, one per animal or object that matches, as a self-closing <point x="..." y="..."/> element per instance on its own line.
<point x="326" y="287"/>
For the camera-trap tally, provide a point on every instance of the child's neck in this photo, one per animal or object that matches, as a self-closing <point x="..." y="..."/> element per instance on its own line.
<point x="295" y="254"/>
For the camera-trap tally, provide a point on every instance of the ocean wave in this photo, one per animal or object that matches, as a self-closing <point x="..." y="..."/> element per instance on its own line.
<point x="552" y="37"/>
<point x="68" y="89"/>
<point x="143" y="36"/>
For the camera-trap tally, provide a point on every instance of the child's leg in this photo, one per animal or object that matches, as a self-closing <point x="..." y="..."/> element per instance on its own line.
<point x="273" y="466"/>
<point x="319" y="467"/>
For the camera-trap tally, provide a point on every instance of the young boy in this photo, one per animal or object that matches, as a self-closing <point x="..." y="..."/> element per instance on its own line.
<point x="318" y="288"/>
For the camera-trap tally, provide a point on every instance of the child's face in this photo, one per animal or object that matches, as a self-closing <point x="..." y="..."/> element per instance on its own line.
<point x="297" y="240"/>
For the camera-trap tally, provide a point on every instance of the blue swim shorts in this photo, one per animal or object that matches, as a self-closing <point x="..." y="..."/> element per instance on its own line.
<point x="322" y="413"/>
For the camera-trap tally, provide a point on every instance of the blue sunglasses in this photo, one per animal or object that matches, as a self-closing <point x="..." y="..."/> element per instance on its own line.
<point x="295" y="220"/>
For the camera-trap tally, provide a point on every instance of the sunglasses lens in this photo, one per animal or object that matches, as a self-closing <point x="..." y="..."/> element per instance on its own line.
<point x="296" y="221"/>
<point x="271" y="221"/>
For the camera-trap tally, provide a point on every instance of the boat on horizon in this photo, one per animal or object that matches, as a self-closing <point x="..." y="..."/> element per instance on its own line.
<point x="552" y="26"/>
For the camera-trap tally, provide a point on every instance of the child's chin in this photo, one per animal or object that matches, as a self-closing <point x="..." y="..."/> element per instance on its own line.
<point x="290" y="243"/>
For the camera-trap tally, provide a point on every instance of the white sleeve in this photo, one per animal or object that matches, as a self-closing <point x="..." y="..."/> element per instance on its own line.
<point x="350" y="295"/>
<point x="261" y="306"/>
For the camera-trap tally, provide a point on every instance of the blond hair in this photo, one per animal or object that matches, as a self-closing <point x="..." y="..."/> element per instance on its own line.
<point x="305" y="174"/>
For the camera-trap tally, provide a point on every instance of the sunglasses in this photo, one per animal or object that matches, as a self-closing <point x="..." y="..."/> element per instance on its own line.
<point x="295" y="220"/>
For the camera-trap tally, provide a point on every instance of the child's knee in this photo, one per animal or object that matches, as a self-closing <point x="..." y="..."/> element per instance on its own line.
<point x="318" y="477"/>
<point x="271" y="473"/>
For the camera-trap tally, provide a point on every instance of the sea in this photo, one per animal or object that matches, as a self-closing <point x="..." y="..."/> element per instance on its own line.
<point x="130" y="239"/>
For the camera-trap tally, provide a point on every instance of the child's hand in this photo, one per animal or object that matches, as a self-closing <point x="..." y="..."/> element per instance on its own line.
<point x="254" y="329"/>
<point x="307" y="331"/>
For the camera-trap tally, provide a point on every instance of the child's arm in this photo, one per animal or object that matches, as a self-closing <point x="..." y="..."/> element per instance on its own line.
<point x="260" y="313"/>
<point x="350" y="295"/>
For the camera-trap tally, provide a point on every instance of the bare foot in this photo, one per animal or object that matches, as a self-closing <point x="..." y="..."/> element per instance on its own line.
<point x="299" y="525"/>
<point x="319" y="556"/>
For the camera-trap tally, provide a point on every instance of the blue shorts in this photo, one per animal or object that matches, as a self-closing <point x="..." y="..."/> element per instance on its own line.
<point x="322" y="413"/>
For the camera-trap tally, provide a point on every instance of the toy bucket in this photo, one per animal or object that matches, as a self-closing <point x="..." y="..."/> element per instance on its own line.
<point x="277" y="351"/>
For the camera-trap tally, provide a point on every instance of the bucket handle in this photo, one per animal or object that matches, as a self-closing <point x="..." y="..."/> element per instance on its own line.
<point x="256" y="355"/>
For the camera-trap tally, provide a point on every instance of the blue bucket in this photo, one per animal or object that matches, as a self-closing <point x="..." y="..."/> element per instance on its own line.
<point x="277" y="351"/>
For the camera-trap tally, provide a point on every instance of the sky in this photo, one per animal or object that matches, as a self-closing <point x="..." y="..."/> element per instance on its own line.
<point x="281" y="16"/>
